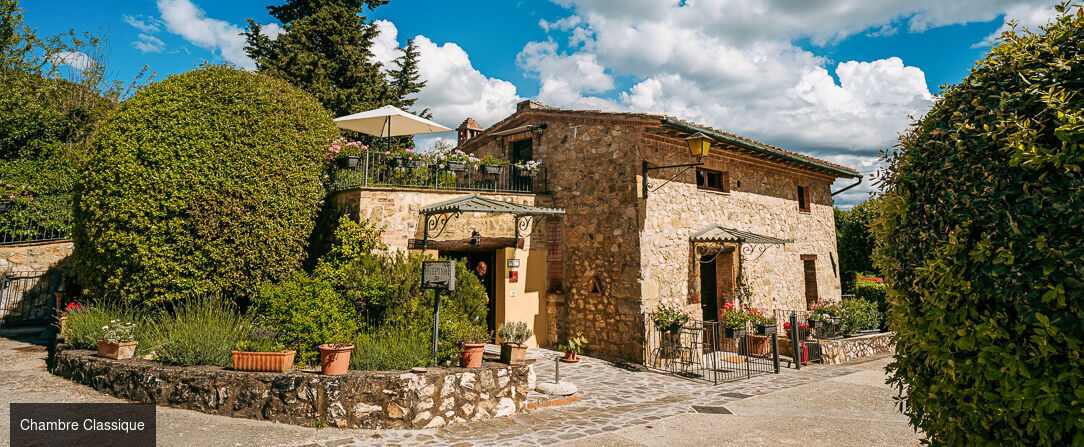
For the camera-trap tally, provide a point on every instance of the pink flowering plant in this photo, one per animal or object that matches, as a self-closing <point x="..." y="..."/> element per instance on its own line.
<point x="342" y="147"/>
<point x="734" y="316"/>
<point x="669" y="317"/>
<point x="760" y="316"/>
<point x="825" y="311"/>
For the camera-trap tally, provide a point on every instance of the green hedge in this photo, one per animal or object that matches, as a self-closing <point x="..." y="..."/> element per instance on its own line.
<point x="980" y="244"/>
<point x="205" y="183"/>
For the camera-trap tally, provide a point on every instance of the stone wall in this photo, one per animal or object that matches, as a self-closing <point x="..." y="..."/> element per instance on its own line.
<point x="35" y="257"/>
<point x="358" y="399"/>
<point x="843" y="350"/>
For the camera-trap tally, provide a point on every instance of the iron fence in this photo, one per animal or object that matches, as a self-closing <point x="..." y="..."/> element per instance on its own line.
<point x="804" y="335"/>
<point x="28" y="298"/>
<point x="376" y="169"/>
<point x="45" y="218"/>
<point x="704" y="350"/>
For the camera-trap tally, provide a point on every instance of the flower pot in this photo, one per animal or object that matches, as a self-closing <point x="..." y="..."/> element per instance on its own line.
<point x="670" y="346"/>
<point x="119" y="351"/>
<point x="526" y="172"/>
<point x="416" y="164"/>
<point x="470" y="355"/>
<point x="735" y="332"/>
<point x="758" y="345"/>
<point x="457" y="166"/>
<point x="263" y="361"/>
<point x="399" y="162"/>
<point x="492" y="170"/>
<point x="62" y="322"/>
<point x="768" y="329"/>
<point x="570" y="357"/>
<point x="334" y="359"/>
<point x="348" y="162"/>
<point x="513" y="354"/>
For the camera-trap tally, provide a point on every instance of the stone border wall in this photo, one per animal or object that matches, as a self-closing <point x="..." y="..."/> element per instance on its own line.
<point x="358" y="399"/>
<point x="843" y="350"/>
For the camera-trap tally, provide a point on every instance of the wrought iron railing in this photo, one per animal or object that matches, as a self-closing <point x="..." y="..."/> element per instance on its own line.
<point x="377" y="169"/>
<point x="27" y="297"/>
<point x="704" y="350"/>
<point x="45" y="218"/>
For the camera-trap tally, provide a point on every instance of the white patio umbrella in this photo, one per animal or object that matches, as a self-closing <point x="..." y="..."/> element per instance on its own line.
<point x="388" y="121"/>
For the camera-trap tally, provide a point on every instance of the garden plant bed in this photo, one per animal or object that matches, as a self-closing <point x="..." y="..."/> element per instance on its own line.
<point x="358" y="399"/>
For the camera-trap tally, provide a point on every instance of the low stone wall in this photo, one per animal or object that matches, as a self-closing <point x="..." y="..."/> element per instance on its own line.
<point x="358" y="399"/>
<point x="843" y="350"/>
<point x="34" y="257"/>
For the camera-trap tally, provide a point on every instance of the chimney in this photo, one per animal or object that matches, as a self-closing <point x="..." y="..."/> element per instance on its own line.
<point x="469" y="129"/>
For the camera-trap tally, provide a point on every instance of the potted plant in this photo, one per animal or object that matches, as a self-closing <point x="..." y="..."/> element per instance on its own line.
<point x="118" y="341"/>
<point x="824" y="316"/>
<point x="472" y="344"/>
<point x="491" y="165"/>
<point x="62" y="319"/>
<point x="803" y="330"/>
<point x="765" y="324"/>
<point x="528" y="168"/>
<point x="733" y="319"/>
<point x="261" y="351"/>
<point x="573" y="347"/>
<point x="348" y="162"/>
<point x="668" y="318"/>
<point x="335" y="357"/>
<point x="513" y="335"/>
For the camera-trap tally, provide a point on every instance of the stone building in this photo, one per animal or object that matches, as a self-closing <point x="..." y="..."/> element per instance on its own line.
<point x="625" y="232"/>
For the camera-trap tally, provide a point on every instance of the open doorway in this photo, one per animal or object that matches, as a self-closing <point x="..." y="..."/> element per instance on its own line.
<point x="482" y="263"/>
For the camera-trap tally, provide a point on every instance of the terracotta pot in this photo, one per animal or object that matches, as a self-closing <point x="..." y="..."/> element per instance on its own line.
<point x="758" y="345"/>
<point x="264" y="361"/>
<point x="470" y="355"/>
<point x="63" y="320"/>
<point x="335" y="359"/>
<point x="116" y="350"/>
<point x="570" y="357"/>
<point x="513" y="354"/>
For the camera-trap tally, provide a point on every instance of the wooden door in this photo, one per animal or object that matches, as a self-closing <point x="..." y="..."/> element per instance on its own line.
<point x="709" y="295"/>
<point x="811" y="295"/>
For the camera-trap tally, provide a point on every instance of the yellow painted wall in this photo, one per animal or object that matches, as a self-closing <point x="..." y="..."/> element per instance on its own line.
<point x="528" y="304"/>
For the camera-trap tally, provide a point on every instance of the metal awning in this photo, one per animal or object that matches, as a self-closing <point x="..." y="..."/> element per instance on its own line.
<point x="719" y="233"/>
<point x="475" y="203"/>
<point x="437" y="215"/>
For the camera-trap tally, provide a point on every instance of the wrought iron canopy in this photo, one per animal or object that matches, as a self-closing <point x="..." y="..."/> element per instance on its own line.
<point x="437" y="215"/>
<point x="719" y="233"/>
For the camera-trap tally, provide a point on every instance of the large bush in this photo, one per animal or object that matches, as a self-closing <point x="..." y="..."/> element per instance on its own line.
<point x="980" y="244"/>
<point x="205" y="183"/>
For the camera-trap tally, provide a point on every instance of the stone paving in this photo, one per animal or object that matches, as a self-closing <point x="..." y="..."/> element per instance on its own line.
<point x="614" y="397"/>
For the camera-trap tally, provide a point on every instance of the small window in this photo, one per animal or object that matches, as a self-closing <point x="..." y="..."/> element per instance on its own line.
<point x="712" y="180"/>
<point x="803" y="201"/>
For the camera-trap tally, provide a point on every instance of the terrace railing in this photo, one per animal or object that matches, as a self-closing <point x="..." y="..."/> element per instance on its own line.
<point x="45" y="218"/>
<point x="704" y="350"/>
<point x="376" y="169"/>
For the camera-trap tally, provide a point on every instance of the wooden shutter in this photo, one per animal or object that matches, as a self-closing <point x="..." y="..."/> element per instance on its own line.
<point x="810" y="268"/>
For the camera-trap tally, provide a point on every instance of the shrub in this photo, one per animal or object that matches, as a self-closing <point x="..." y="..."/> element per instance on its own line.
<point x="85" y="327"/>
<point x="858" y="315"/>
<point x="873" y="292"/>
<point x="205" y="183"/>
<point x="979" y="243"/>
<point x="199" y="331"/>
<point x="391" y="348"/>
<point x="306" y="311"/>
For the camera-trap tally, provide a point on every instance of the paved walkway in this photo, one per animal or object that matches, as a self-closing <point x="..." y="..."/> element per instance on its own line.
<point x="819" y="405"/>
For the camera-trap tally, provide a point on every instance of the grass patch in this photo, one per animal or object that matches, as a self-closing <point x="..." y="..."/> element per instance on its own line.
<point x="200" y="331"/>
<point x="84" y="328"/>
<point x="392" y="348"/>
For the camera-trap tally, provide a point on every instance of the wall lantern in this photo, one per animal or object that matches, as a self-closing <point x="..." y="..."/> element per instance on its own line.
<point x="699" y="144"/>
<point x="475" y="238"/>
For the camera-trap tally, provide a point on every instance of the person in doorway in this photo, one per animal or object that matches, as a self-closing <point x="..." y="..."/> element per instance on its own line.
<point x="480" y="270"/>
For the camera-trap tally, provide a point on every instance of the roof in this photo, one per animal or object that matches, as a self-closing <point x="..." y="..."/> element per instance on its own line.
<point x="479" y="204"/>
<point x="719" y="233"/>
<point x="690" y="127"/>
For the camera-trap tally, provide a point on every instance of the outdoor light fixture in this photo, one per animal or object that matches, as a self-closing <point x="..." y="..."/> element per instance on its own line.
<point x="698" y="148"/>
<point x="698" y="145"/>
<point x="475" y="238"/>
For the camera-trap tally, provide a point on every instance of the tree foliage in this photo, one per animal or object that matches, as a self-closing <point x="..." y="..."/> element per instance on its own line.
<point x="205" y="183"/>
<point x="979" y="240"/>
<point x="854" y="236"/>
<point x="326" y="49"/>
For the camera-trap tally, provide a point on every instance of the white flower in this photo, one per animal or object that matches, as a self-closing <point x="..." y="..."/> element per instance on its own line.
<point x="105" y="327"/>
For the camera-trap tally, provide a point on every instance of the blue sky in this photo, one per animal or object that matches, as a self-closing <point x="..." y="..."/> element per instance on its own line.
<point x="834" y="78"/>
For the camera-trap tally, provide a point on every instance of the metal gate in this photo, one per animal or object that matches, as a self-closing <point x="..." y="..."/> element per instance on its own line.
<point x="27" y="298"/>
<point x="701" y="351"/>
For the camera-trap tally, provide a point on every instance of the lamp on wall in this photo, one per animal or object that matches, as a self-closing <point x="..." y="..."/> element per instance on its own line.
<point x="699" y="144"/>
<point x="475" y="238"/>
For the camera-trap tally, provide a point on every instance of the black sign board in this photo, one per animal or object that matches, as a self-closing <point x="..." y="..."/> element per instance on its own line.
<point x="438" y="275"/>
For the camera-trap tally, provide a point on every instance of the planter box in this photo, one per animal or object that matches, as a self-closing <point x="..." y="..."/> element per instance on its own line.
<point x="348" y="162"/>
<point x="117" y="351"/>
<point x="416" y="164"/>
<point x="470" y="355"/>
<point x="263" y="361"/>
<point x="735" y="332"/>
<point x="526" y="172"/>
<point x="492" y="170"/>
<point x="457" y="166"/>
<point x="513" y="354"/>
<point x="399" y="162"/>
<point x="767" y="329"/>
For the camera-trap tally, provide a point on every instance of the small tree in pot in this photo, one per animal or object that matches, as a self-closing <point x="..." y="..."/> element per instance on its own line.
<point x="513" y="335"/>
<point x="573" y="347"/>
<point x="472" y="344"/>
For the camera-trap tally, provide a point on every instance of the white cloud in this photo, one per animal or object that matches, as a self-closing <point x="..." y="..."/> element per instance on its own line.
<point x="1026" y="16"/>
<point x="386" y="46"/>
<point x="564" y="78"/>
<point x="74" y="59"/>
<point x="142" y="23"/>
<point x="149" y="44"/>
<point x="185" y="19"/>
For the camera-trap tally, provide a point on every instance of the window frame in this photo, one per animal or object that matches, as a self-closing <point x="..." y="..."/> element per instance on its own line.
<point x="803" y="197"/>
<point x="724" y="180"/>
